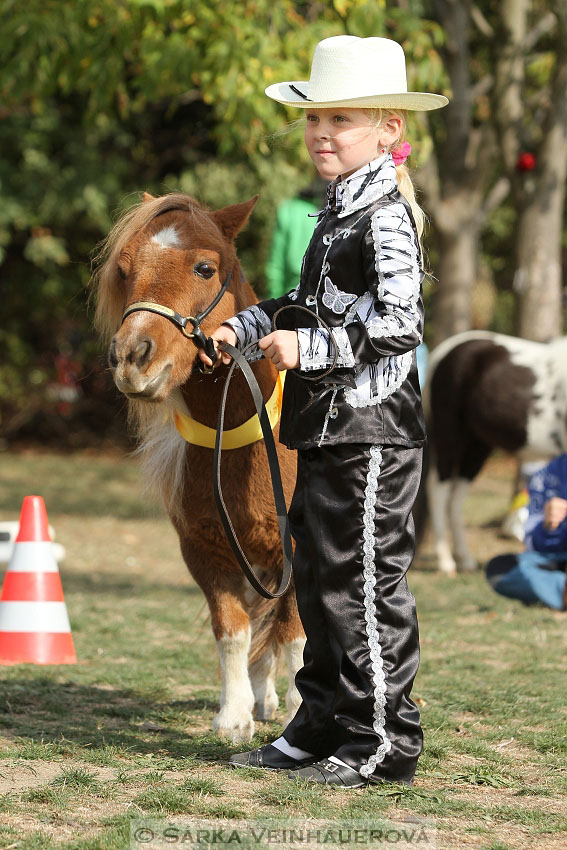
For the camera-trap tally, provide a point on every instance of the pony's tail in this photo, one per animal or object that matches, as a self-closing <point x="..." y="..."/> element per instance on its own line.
<point x="262" y="614"/>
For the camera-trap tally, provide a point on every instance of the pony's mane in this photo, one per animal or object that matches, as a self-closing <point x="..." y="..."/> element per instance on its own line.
<point x="161" y="447"/>
<point x="162" y="450"/>
<point x="105" y="280"/>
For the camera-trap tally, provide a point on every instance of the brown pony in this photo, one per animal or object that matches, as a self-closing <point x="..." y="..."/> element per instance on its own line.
<point x="172" y="251"/>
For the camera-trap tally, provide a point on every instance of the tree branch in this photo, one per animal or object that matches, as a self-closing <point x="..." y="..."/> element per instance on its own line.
<point x="543" y="26"/>
<point x="481" y="23"/>
<point x="495" y="197"/>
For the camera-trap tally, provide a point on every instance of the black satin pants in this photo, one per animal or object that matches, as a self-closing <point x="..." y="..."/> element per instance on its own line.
<point x="351" y="520"/>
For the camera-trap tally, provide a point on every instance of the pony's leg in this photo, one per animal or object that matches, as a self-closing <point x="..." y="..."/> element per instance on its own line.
<point x="290" y="636"/>
<point x="276" y="631"/>
<point x="263" y="655"/>
<point x="293" y="653"/>
<point x="463" y="556"/>
<point x="222" y="584"/>
<point x="235" y="719"/>
<point x="263" y="680"/>
<point x="439" y="494"/>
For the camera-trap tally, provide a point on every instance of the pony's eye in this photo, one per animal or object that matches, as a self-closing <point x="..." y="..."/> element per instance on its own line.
<point x="204" y="270"/>
<point x="121" y="272"/>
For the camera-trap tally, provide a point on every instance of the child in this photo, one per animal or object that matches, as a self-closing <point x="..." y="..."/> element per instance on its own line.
<point x="359" y="431"/>
<point x="538" y="574"/>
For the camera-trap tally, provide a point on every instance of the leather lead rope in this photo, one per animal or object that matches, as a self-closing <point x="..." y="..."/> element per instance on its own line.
<point x="238" y="359"/>
<point x="279" y="498"/>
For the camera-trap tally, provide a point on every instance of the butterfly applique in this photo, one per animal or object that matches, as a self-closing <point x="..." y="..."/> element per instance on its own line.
<point x="336" y="300"/>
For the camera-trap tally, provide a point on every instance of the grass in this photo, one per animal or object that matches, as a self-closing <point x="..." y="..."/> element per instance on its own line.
<point x="125" y="733"/>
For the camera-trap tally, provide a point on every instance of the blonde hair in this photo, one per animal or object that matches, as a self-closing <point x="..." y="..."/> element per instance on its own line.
<point x="405" y="184"/>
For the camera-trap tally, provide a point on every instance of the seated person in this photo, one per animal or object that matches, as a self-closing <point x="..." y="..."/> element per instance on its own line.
<point x="538" y="574"/>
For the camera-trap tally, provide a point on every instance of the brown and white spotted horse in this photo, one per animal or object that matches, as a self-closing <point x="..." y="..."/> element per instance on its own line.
<point x="171" y="251"/>
<point x="486" y="391"/>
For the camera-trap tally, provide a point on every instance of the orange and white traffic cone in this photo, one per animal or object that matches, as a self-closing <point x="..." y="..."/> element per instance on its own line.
<point x="34" y="626"/>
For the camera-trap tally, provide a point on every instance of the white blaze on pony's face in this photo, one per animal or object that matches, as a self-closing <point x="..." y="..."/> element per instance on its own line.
<point x="167" y="238"/>
<point x="150" y="355"/>
<point x="178" y="258"/>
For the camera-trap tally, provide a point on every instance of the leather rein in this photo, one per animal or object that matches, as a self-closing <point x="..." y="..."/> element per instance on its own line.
<point x="207" y="344"/>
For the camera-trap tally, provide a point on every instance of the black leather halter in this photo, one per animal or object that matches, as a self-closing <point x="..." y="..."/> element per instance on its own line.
<point x="197" y="335"/>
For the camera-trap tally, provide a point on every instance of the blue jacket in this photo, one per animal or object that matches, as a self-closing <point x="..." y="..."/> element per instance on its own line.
<point x="550" y="482"/>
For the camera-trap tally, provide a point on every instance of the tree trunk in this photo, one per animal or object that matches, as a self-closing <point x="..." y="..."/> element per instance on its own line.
<point x="458" y="266"/>
<point x="538" y="273"/>
<point x="455" y="183"/>
<point x="539" y="196"/>
<point x="540" y="223"/>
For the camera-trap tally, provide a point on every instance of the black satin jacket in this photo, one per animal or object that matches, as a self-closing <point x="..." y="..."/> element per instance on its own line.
<point x="362" y="275"/>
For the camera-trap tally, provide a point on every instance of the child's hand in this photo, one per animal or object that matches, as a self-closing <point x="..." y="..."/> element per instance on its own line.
<point x="282" y="348"/>
<point x="554" y="512"/>
<point x="222" y="334"/>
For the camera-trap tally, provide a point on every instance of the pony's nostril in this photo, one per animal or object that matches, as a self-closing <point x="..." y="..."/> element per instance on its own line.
<point x="143" y="351"/>
<point x="112" y="358"/>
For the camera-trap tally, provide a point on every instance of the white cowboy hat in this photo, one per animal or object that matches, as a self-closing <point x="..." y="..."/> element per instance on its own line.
<point x="359" y="72"/>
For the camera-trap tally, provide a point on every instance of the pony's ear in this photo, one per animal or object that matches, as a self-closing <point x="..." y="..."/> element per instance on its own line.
<point x="231" y="220"/>
<point x="147" y="197"/>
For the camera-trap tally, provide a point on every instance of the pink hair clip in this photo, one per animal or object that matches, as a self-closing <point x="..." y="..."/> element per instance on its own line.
<point x="399" y="155"/>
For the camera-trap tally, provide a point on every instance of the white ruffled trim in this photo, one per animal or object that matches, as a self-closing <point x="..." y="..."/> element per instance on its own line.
<point x="369" y="573"/>
<point x="345" y="354"/>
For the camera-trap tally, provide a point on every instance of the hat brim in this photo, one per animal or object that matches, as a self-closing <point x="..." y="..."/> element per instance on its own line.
<point x="419" y="101"/>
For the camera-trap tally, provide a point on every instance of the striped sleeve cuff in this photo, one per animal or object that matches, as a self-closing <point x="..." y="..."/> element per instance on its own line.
<point x="249" y="326"/>
<point x="316" y="349"/>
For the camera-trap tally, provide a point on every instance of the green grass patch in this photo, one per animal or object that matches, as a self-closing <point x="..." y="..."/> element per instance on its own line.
<point x="125" y="733"/>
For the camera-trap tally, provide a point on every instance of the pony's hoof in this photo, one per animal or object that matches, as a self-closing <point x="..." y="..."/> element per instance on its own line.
<point x="235" y="728"/>
<point x="266" y="703"/>
<point x="267" y="711"/>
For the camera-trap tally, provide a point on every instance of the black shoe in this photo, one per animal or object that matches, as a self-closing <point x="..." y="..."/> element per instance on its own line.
<point x="326" y="772"/>
<point x="268" y="758"/>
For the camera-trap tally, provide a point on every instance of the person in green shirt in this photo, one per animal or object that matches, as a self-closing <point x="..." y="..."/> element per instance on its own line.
<point x="291" y="237"/>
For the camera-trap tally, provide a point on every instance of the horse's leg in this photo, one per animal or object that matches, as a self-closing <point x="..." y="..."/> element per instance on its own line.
<point x="234" y="719"/>
<point x="289" y="635"/>
<point x="293" y="653"/>
<point x="473" y="456"/>
<point x="464" y="558"/>
<point x="263" y="681"/>
<point x="439" y="494"/>
<point x="276" y="631"/>
<point x="223" y="588"/>
<point x="263" y="656"/>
